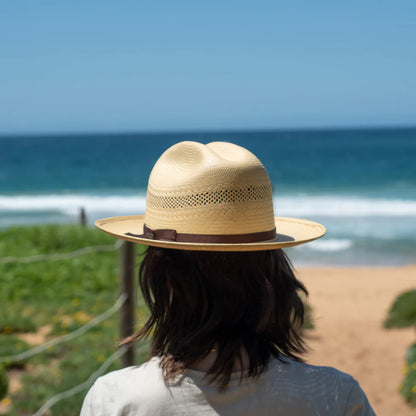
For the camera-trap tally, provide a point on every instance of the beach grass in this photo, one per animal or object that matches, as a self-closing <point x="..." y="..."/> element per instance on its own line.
<point x="56" y="297"/>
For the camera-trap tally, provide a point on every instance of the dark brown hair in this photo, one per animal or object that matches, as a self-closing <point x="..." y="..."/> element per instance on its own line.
<point x="230" y="300"/>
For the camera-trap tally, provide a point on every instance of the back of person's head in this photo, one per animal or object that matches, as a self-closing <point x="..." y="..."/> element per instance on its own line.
<point x="227" y="301"/>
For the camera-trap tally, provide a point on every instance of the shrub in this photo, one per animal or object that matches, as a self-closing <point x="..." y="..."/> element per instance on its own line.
<point x="403" y="312"/>
<point x="408" y="388"/>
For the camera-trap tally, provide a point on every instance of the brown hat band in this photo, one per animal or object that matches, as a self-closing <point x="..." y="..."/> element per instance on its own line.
<point x="172" y="235"/>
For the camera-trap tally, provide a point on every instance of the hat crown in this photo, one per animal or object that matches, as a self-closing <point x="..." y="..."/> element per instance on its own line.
<point x="218" y="188"/>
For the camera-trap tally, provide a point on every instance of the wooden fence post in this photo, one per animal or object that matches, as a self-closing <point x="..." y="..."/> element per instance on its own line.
<point x="82" y="217"/>
<point x="128" y="310"/>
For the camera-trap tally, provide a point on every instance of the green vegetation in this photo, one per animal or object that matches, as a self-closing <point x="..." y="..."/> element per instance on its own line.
<point x="408" y="387"/>
<point x="403" y="314"/>
<point x="59" y="296"/>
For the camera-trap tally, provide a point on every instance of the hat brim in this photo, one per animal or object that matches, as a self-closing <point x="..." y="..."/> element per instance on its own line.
<point x="290" y="232"/>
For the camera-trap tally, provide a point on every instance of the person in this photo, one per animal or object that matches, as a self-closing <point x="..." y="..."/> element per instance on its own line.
<point x="226" y="309"/>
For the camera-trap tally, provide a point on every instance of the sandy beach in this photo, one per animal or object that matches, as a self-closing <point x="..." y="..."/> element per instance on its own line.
<point x="349" y="306"/>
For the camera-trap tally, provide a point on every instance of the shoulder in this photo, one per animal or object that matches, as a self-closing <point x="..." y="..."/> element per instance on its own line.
<point x="143" y="371"/>
<point x="148" y="372"/>
<point x="124" y="387"/>
<point x="322" y="386"/>
<point x="310" y="373"/>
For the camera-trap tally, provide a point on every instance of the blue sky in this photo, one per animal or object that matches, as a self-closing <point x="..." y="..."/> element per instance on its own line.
<point x="172" y="65"/>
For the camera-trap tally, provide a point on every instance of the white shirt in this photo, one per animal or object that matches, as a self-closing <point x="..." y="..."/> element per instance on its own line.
<point x="286" y="388"/>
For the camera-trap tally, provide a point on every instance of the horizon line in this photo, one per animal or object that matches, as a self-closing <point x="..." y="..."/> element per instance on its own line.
<point x="126" y="132"/>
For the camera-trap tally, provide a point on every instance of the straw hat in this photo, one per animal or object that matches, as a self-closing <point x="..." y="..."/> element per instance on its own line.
<point x="214" y="197"/>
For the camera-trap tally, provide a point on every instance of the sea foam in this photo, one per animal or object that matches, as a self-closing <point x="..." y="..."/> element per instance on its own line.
<point x="343" y="206"/>
<point x="296" y="206"/>
<point x="70" y="204"/>
<point x="330" y="244"/>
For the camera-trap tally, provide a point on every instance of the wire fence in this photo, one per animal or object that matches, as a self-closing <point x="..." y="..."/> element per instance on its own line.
<point x="61" y="256"/>
<point x="76" y="333"/>
<point x="67" y="337"/>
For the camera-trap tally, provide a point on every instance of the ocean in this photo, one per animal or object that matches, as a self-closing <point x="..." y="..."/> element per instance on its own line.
<point x="361" y="184"/>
